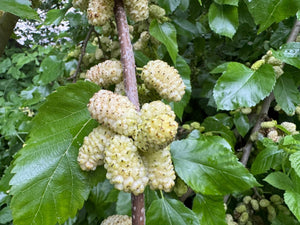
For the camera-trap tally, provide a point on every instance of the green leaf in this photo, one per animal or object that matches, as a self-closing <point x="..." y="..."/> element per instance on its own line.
<point x="20" y="8"/>
<point x="165" y="33"/>
<point x="295" y="162"/>
<point x="287" y="94"/>
<point x="271" y="157"/>
<point x="55" y="16"/>
<point x="223" y="19"/>
<point x="170" y="212"/>
<point x="220" y="68"/>
<point x="279" y="180"/>
<point x="240" y="86"/>
<point x="169" y="5"/>
<point x="209" y="209"/>
<point x="227" y="2"/>
<point x="241" y="123"/>
<point x="48" y="185"/>
<point x="140" y="58"/>
<point x="212" y="169"/>
<point x="51" y="68"/>
<point x="269" y="11"/>
<point x="298" y="15"/>
<point x="5" y="215"/>
<point x="291" y="197"/>
<point x="213" y="125"/>
<point x="5" y="65"/>
<point x="123" y="206"/>
<point x="289" y="53"/>
<point x="184" y="71"/>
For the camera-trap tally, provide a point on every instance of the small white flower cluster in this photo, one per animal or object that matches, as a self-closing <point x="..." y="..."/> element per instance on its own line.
<point x="164" y="79"/>
<point x="117" y="220"/>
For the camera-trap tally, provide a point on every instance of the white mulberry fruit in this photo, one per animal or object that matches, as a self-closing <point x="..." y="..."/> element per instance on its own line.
<point x="157" y="128"/>
<point x="164" y="79"/>
<point x="117" y="220"/>
<point x="114" y="111"/>
<point x="138" y="9"/>
<point x="100" y="11"/>
<point x="160" y="170"/>
<point x="106" y="73"/>
<point x="125" y="168"/>
<point x="91" y="153"/>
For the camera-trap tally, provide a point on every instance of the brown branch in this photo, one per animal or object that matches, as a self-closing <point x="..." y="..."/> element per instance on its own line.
<point x="266" y="103"/>
<point x="127" y="56"/>
<point x="128" y="63"/>
<point x="83" y="48"/>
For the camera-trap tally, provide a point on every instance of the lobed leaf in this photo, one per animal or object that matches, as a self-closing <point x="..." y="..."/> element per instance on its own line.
<point x="48" y="185"/>
<point x="212" y="169"/>
<point x="240" y="86"/>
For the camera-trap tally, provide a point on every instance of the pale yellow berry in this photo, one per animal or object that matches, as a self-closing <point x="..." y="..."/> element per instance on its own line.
<point x="98" y="53"/>
<point x="81" y="4"/>
<point x="274" y="62"/>
<point x="254" y="204"/>
<point x="114" y="111"/>
<point x="273" y="135"/>
<point x="164" y="79"/>
<point x="138" y="9"/>
<point x="257" y="64"/>
<point x="268" y="124"/>
<point x="120" y="88"/>
<point x="247" y="199"/>
<point x="291" y="127"/>
<point x="91" y="153"/>
<point x="125" y="168"/>
<point x="106" y="73"/>
<point x="160" y="170"/>
<point x="142" y="42"/>
<point x="156" y="12"/>
<point x="278" y="71"/>
<point x="241" y="208"/>
<point x="264" y="203"/>
<point x="100" y="11"/>
<point x="117" y="220"/>
<point x="157" y="128"/>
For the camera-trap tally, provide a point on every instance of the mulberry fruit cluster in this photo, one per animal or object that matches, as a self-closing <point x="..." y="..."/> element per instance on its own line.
<point x="117" y="220"/>
<point x="91" y="153"/>
<point x="125" y="168"/>
<point x="160" y="169"/>
<point x="106" y="73"/>
<point x="114" y="111"/>
<point x="157" y="128"/>
<point x="138" y="9"/>
<point x="164" y="79"/>
<point x="100" y="11"/>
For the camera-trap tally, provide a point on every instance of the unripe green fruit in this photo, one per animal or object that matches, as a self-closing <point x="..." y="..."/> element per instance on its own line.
<point x="241" y="208"/>
<point x="125" y="168"/>
<point x="156" y="12"/>
<point x="268" y="124"/>
<point x="244" y="218"/>
<point x="257" y="64"/>
<point x="276" y="199"/>
<point x="100" y="11"/>
<point x="264" y="203"/>
<point x="180" y="187"/>
<point x="254" y="204"/>
<point x="247" y="199"/>
<point x="114" y="111"/>
<point x="117" y="220"/>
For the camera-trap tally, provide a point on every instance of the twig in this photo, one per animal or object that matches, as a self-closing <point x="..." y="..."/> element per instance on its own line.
<point x="128" y="63"/>
<point x="267" y="102"/>
<point x="83" y="48"/>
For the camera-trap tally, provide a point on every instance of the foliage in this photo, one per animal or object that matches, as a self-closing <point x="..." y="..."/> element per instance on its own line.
<point x="216" y="45"/>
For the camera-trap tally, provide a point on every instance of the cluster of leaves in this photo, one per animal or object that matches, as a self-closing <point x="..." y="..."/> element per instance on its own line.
<point x="202" y="39"/>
